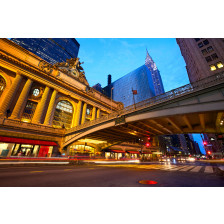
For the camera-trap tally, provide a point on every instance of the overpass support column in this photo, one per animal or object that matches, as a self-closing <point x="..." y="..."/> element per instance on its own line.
<point x="48" y="116"/>
<point x="84" y="113"/>
<point x="10" y="95"/>
<point x="94" y="113"/>
<point x="41" y="105"/>
<point x="78" y="114"/>
<point x="22" y="100"/>
<point x="98" y="113"/>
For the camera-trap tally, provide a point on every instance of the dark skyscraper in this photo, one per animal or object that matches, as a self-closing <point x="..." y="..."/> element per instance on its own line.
<point x="52" y="50"/>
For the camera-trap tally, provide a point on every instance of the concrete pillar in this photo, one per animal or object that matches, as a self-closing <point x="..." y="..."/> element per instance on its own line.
<point x="84" y="113"/>
<point x="47" y="120"/>
<point x="78" y="114"/>
<point x="98" y="113"/>
<point x="22" y="100"/>
<point x="10" y="95"/>
<point x="94" y="113"/>
<point x="40" y="107"/>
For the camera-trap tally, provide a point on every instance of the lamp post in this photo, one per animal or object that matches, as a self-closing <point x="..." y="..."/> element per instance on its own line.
<point x="111" y="98"/>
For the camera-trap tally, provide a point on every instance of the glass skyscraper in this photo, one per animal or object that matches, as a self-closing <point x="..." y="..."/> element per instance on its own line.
<point x="145" y="79"/>
<point x="52" y="50"/>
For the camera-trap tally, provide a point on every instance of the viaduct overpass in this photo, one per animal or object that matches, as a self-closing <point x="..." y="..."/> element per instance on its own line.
<point x="193" y="108"/>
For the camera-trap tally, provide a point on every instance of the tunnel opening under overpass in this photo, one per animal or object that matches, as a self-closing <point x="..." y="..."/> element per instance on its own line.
<point x="193" y="108"/>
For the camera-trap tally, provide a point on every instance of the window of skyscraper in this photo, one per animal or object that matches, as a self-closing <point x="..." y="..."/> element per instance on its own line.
<point x="204" y="52"/>
<point x="214" y="56"/>
<point x="210" y="49"/>
<point x="208" y="59"/>
<point x="200" y="45"/>
<point x="219" y="64"/>
<point x="197" y="39"/>
<point x="206" y="42"/>
<point x="212" y="67"/>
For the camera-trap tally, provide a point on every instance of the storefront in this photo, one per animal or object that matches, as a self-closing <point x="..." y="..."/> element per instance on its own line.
<point x="81" y="150"/>
<point x="19" y="147"/>
<point x="114" y="154"/>
<point x="133" y="154"/>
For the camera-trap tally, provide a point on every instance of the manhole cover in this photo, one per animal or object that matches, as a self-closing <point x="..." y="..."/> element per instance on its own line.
<point x="147" y="182"/>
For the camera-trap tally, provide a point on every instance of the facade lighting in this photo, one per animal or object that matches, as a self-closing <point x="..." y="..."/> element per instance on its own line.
<point x="220" y="65"/>
<point x="212" y="67"/>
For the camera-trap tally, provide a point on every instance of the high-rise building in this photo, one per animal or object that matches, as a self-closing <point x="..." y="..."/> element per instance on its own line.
<point x="52" y="50"/>
<point x="203" y="56"/>
<point x="145" y="80"/>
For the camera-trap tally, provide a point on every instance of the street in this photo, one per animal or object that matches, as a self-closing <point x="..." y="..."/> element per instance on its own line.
<point x="111" y="175"/>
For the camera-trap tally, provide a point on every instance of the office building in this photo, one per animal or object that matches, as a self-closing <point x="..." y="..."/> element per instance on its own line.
<point x="52" y="50"/>
<point x="203" y="56"/>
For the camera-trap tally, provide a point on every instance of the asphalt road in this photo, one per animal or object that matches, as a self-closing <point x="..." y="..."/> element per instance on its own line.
<point x="105" y="175"/>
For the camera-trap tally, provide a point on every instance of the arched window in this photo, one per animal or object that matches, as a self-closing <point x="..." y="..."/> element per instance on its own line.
<point x="2" y="85"/>
<point x="63" y="114"/>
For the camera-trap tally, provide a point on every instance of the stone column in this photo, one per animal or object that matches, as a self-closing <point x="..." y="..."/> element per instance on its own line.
<point x="10" y="95"/>
<point x="84" y="113"/>
<point x="98" y="113"/>
<point x="41" y="105"/>
<point x="47" y="120"/>
<point x="22" y="100"/>
<point x="78" y="114"/>
<point x="94" y="113"/>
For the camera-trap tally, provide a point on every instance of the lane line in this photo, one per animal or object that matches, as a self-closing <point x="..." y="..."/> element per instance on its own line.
<point x="179" y="168"/>
<point x="36" y="171"/>
<point x="208" y="169"/>
<point x="196" y="169"/>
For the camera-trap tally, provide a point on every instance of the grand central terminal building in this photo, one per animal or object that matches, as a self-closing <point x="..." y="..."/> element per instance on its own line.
<point x="39" y="101"/>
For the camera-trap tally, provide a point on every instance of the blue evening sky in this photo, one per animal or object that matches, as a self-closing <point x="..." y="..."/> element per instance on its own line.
<point x="119" y="56"/>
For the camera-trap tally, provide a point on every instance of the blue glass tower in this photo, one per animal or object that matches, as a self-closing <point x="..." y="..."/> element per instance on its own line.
<point x="145" y="79"/>
<point x="52" y="50"/>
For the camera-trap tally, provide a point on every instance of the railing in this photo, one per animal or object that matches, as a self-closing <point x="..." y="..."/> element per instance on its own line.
<point x="172" y="94"/>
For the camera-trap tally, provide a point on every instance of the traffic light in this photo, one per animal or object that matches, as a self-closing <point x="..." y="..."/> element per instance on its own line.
<point x="204" y="143"/>
<point x="149" y="138"/>
<point x="147" y="144"/>
<point x="209" y="152"/>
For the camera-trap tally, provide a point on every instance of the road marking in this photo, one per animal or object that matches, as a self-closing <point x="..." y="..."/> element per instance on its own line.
<point x="187" y="168"/>
<point x="196" y="169"/>
<point x="91" y="168"/>
<point x="208" y="169"/>
<point x="36" y="171"/>
<point x="67" y="169"/>
<point x="179" y="168"/>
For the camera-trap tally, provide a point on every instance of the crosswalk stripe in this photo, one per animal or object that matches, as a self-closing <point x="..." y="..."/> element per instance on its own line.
<point x="179" y="167"/>
<point x="208" y="169"/>
<point x="187" y="168"/>
<point x="196" y="169"/>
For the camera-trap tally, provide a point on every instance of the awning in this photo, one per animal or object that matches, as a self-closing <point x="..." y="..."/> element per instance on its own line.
<point x="26" y="141"/>
<point x="115" y="150"/>
<point x="133" y="152"/>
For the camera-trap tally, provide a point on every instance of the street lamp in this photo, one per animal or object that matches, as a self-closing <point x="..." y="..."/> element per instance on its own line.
<point x="111" y="98"/>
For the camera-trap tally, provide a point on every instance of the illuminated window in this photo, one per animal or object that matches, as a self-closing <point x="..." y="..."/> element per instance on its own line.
<point x="208" y="59"/>
<point x="63" y="114"/>
<point x="214" y="56"/>
<point x="200" y="45"/>
<point x="29" y="111"/>
<point x="87" y="111"/>
<point x="212" y="67"/>
<point x="219" y="64"/>
<point x="204" y="51"/>
<point x="210" y="49"/>
<point x="206" y="42"/>
<point x="2" y="85"/>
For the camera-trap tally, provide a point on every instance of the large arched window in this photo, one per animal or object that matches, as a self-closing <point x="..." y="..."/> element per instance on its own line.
<point x="63" y="114"/>
<point x="2" y="85"/>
